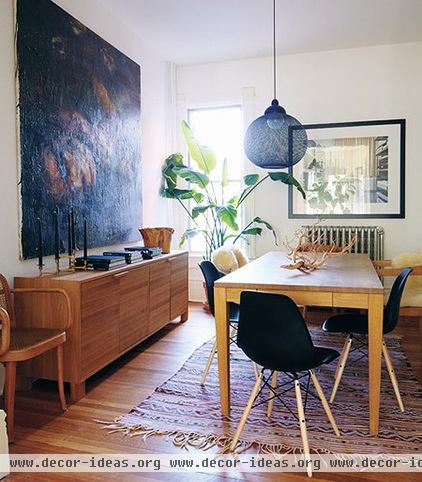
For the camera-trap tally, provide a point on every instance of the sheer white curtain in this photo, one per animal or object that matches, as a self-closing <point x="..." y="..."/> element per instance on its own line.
<point x="353" y="158"/>
<point x="349" y="157"/>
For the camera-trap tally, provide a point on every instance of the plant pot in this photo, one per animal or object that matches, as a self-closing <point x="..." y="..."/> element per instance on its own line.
<point x="157" y="237"/>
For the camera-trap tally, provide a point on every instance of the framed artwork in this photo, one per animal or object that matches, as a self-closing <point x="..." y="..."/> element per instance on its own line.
<point x="350" y="170"/>
<point x="79" y="111"/>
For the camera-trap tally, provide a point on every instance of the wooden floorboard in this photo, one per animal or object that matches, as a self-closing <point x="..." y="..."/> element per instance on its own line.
<point x="42" y="428"/>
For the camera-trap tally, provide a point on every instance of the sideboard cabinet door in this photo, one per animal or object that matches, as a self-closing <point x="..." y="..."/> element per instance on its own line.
<point x="134" y="307"/>
<point x="179" y="283"/>
<point x="159" y="295"/>
<point x="99" y="324"/>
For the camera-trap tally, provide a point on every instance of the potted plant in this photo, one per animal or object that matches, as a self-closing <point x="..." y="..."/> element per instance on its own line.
<point x="213" y="216"/>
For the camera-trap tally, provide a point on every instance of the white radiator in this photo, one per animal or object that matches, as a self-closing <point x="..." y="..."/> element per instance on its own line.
<point x="369" y="239"/>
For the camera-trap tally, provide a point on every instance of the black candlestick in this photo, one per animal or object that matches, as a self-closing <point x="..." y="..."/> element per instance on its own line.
<point x="85" y="241"/>
<point x="56" y="234"/>
<point x="40" y="246"/>
<point x="69" y="234"/>
<point x="73" y="230"/>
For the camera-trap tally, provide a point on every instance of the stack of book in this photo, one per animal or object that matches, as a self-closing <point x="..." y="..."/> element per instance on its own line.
<point x="146" y="253"/>
<point x="130" y="256"/>
<point x="101" y="262"/>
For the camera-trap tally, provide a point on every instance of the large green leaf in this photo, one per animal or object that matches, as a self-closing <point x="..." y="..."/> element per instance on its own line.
<point x="268" y="226"/>
<point x="198" y="196"/>
<point x="252" y="232"/>
<point x="251" y="179"/>
<point x="168" y="170"/>
<point x="197" y="210"/>
<point x="192" y="176"/>
<point x="169" y="193"/>
<point x="288" y="179"/>
<point x="243" y="194"/>
<point x="228" y="215"/>
<point x="182" y="194"/>
<point x="233" y="201"/>
<point x="189" y="233"/>
<point x="204" y="156"/>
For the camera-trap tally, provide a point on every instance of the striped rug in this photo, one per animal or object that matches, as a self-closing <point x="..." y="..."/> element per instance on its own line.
<point x="189" y="414"/>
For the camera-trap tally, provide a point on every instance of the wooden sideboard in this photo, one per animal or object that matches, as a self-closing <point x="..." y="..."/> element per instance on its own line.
<point x="112" y="311"/>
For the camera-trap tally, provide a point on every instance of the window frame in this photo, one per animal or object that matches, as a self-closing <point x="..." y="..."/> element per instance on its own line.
<point x="213" y="107"/>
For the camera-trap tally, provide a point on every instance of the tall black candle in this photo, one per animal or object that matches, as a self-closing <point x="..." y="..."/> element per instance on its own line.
<point x="73" y="230"/>
<point x="85" y="241"/>
<point x="69" y="234"/>
<point x="56" y="233"/>
<point x="40" y="250"/>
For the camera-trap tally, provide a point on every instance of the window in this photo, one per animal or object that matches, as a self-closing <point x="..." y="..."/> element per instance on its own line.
<point x="221" y="129"/>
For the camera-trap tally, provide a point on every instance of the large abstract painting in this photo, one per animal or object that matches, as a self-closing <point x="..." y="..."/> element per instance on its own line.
<point x="79" y="129"/>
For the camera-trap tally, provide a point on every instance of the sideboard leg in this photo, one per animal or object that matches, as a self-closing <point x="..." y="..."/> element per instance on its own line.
<point x="77" y="391"/>
<point x="184" y="317"/>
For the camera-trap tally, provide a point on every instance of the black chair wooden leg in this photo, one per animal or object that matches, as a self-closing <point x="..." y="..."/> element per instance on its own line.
<point x="303" y="431"/>
<point x="393" y="377"/>
<point x="246" y="412"/>
<point x="341" y="365"/>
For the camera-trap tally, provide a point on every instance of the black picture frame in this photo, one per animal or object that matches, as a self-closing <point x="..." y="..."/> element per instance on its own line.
<point x="402" y="183"/>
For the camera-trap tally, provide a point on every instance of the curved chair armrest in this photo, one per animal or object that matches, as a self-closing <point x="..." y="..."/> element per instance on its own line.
<point x="5" y="331"/>
<point x="49" y="290"/>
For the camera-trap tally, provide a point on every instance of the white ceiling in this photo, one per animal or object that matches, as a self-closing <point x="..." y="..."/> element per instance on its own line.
<point x="197" y="31"/>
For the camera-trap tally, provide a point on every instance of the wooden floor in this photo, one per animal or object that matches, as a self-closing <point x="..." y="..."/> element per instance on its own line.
<point x="42" y="428"/>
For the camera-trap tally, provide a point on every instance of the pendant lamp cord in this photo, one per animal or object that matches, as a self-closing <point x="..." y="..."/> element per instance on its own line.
<point x="274" y="54"/>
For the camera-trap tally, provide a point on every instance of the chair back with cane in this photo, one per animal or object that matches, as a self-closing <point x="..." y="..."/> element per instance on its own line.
<point x="6" y="299"/>
<point x="6" y="314"/>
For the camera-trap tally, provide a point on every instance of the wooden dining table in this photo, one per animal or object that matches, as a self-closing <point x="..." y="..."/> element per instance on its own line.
<point x="347" y="281"/>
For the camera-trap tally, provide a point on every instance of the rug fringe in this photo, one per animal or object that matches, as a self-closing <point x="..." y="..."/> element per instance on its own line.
<point x="185" y="440"/>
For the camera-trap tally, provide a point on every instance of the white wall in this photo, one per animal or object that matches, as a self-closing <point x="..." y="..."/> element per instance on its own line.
<point x="154" y="113"/>
<point x="343" y="85"/>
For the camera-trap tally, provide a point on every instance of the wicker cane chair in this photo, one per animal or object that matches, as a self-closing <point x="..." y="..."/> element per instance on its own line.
<point x="20" y="344"/>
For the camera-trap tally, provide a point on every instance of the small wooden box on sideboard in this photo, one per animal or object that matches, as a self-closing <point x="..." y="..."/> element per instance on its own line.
<point x="112" y="312"/>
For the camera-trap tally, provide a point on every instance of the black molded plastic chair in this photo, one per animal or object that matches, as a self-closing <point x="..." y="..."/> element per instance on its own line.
<point x="211" y="275"/>
<point x="273" y="333"/>
<point x="354" y="324"/>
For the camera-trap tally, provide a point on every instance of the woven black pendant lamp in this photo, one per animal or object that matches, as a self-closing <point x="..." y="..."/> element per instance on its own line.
<point x="267" y="138"/>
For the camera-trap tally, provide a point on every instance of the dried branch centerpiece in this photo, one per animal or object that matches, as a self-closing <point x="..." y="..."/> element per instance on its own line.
<point x="308" y="254"/>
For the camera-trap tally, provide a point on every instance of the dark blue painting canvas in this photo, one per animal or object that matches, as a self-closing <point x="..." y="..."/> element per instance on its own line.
<point x="79" y="130"/>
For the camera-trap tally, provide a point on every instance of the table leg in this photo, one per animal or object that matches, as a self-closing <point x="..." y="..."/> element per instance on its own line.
<point x="375" y="322"/>
<point x="223" y="350"/>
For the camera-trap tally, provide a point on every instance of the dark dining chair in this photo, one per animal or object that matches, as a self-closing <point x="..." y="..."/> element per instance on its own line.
<point x="211" y="275"/>
<point x="273" y="333"/>
<point x="357" y="324"/>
